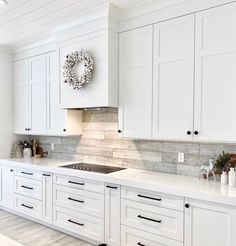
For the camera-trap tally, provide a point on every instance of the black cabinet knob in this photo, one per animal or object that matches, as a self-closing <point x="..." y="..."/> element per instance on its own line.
<point x="26" y="129"/>
<point x="12" y="170"/>
<point x="64" y="130"/>
<point x="189" y="132"/>
<point x="119" y="131"/>
<point x="187" y="205"/>
<point x="195" y="132"/>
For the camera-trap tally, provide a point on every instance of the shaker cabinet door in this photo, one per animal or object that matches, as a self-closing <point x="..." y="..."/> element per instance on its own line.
<point x="209" y="224"/>
<point x="56" y="117"/>
<point x="21" y="96"/>
<point x="135" y="83"/>
<point x="38" y="95"/>
<point x="173" y="79"/>
<point x="215" y="89"/>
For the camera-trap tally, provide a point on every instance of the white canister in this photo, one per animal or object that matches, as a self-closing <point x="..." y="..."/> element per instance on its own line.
<point x="232" y="177"/>
<point x="27" y="153"/>
<point x="224" y="178"/>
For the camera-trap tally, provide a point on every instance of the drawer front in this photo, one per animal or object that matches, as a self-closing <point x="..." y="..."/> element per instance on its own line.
<point x="79" y="223"/>
<point x="28" y="187"/>
<point x="29" y="173"/>
<point x="153" y="219"/>
<point x="79" y="183"/>
<point x="153" y="198"/>
<point x="83" y="201"/>
<point x="134" y="237"/>
<point x="28" y="206"/>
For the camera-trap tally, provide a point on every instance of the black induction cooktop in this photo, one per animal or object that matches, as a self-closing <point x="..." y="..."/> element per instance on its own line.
<point x="94" y="168"/>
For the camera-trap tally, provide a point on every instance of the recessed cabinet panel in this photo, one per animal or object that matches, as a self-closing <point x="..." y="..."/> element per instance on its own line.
<point x="56" y="116"/>
<point x="215" y="89"/>
<point x="207" y="224"/>
<point x="173" y="79"/>
<point x="21" y="96"/>
<point x="38" y="95"/>
<point x="135" y="111"/>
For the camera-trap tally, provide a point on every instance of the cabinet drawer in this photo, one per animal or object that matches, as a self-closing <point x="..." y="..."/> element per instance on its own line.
<point x="153" y="219"/>
<point x="28" y="187"/>
<point x="134" y="237"/>
<point x="79" y="223"/>
<point x="28" y="206"/>
<point x="153" y="198"/>
<point x="29" y="173"/>
<point x="83" y="201"/>
<point x="79" y="183"/>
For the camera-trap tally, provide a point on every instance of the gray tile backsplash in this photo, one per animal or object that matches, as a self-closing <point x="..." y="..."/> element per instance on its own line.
<point x="101" y="144"/>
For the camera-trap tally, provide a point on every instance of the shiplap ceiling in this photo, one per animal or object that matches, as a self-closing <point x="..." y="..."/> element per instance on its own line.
<point x="26" y="21"/>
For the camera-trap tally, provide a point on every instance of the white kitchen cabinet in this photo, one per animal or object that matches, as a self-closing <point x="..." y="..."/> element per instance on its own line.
<point x="209" y="224"/>
<point x="7" y="186"/>
<point x="59" y="121"/>
<point x="21" y="96"/>
<point x="215" y="88"/>
<point x="173" y="79"/>
<point x="135" y="83"/>
<point x="112" y="214"/>
<point x="47" y="192"/>
<point x="38" y="95"/>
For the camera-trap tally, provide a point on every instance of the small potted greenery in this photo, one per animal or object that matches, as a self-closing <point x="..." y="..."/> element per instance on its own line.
<point x="223" y="163"/>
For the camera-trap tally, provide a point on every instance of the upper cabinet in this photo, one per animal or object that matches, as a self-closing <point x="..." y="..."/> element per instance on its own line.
<point x="21" y="96"/>
<point x="36" y="99"/>
<point x="191" y="88"/>
<point x="215" y="88"/>
<point x="135" y="95"/>
<point x="173" y="79"/>
<point x="102" y="91"/>
<point x="38" y="95"/>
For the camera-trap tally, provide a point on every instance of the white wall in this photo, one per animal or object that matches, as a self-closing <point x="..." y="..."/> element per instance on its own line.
<point x="6" y="102"/>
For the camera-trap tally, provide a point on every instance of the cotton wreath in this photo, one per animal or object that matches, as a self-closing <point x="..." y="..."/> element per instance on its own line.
<point x="69" y="75"/>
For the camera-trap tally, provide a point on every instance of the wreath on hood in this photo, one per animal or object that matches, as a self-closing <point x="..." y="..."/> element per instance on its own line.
<point x="70" y="77"/>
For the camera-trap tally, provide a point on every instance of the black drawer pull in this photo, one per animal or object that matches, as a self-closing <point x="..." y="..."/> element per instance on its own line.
<point x="151" y="198"/>
<point x="46" y="175"/>
<point x="27" y="173"/>
<point x="145" y="218"/>
<point x="75" y="200"/>
<point x="26" y="187"/>
<point x="71" y="221"/>
<point x="72" y="182"/>
<point x="112" y="187"/>
<point x="23" y="205"/>
<point x="140" y="244"/>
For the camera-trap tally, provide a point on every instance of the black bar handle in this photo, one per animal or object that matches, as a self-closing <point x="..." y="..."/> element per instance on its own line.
<point x="75" y="200"/>
<point x="27" y="173"/>
<point x="146" y="218"/>
<point x="72" y="182"/>
<point x="151" y="198"/>
<point x="26" y="187"/>
<point x="23" y="205"/>
<point x="46" y="175"/>
<point x="140" y="244"/>
<point x="112" y="187"/>
<point x="71" y="221"/>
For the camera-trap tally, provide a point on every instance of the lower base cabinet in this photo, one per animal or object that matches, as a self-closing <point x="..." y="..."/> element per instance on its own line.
<point x="209" y="224"/>
<point x="7" y="186"/>
<point x="112" y="214"/>
<point x="134" y="237"/>
<point x="79" y="223"/>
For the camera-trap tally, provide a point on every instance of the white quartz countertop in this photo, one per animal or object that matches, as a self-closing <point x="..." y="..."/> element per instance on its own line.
<point x="189" y="187"/>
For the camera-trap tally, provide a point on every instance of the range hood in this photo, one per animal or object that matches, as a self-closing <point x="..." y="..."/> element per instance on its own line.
<point x="100" y="38"/>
